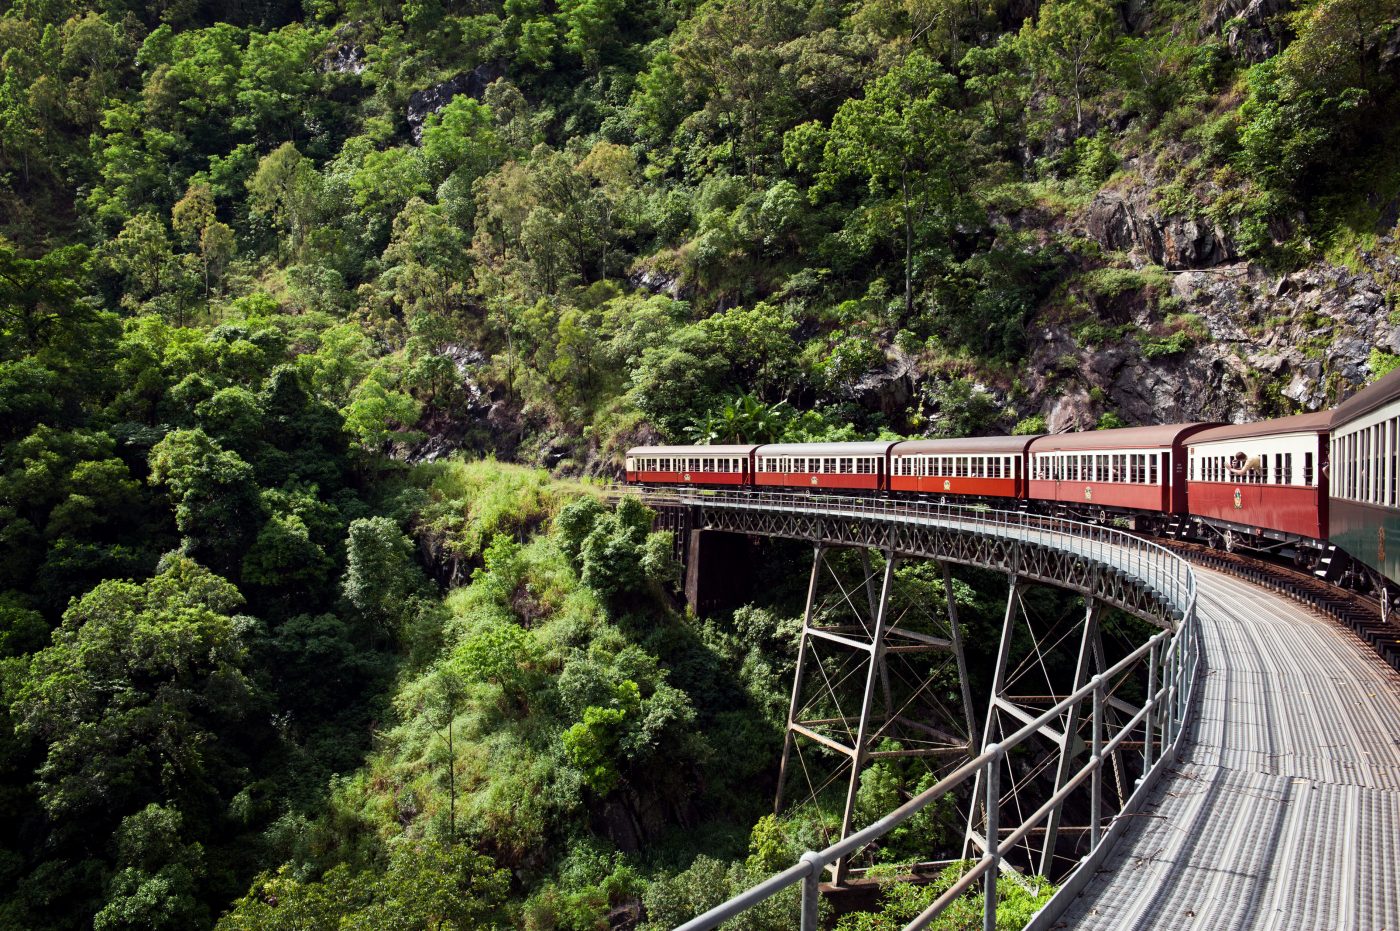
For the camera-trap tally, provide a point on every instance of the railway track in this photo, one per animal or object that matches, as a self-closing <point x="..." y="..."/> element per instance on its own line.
<point x="1359" y="614"/>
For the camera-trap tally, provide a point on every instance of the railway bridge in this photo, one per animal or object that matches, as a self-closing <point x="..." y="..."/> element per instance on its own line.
<point x="1232" y="764"/>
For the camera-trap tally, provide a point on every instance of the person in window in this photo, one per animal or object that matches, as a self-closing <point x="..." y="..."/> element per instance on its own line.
<point x="1247" y="467"/>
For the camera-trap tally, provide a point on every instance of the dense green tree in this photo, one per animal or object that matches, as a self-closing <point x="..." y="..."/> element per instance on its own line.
<point x="380" y="574"/>
<point x="215" y="497"/>
<point x="143" y="710"/>
<point x="286" y="189"/>
<point x="904" y="139"/>
<point x="424" y="886"/>
<point x="1069" y="45"/>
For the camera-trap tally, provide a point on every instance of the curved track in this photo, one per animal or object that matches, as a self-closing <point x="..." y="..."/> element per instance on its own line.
<point x="1284" y="810"/>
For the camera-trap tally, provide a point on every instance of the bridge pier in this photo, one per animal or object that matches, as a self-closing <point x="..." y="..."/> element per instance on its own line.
<point x="848" y="701"/>
<point x="717" y="569"/>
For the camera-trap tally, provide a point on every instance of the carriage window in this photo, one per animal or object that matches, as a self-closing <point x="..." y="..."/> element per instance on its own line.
<point x="1287" y="477"/>
<point x="1393" y="452"/>
<point x="1307" y="468"/>
<point x="847" y="466"/>
<point x="1152" y="468"/>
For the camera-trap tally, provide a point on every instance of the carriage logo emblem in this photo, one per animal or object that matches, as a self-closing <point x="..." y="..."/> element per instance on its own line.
<point x="1088" y="493"/>
<point x="814" y="479"/>
<point x="1239" y="499"/>
<point x="685" y="477"/>
<point x="947" y="485"/>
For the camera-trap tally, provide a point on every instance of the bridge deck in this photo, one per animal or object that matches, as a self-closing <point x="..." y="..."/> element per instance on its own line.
<point x="1285" y="811"/>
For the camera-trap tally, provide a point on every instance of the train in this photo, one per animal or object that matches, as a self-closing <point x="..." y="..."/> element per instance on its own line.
<point x="1319" y="489"/>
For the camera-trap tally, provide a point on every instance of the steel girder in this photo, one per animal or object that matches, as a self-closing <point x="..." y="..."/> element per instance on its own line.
<point x="1050" y="565"/>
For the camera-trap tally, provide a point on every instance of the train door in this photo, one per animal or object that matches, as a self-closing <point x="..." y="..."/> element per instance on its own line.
<point x="1170" y="482"/>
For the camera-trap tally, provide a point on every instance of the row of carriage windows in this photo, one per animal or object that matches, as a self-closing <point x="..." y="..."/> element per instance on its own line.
<point x="957" y="466"/>
<point x="1365" y="463"/>
<point x="1264" y="469"/>
<point x="1131" y="468"/>
<point x="811" y="465"/>
<point x="724" y="464"/>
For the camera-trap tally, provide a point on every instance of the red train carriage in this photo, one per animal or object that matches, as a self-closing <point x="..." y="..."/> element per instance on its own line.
<point x="1134" y="468"/>
<point x="691" y="465"/>
<point x="826" y="466"/>
<point x="1266" y="481"/>
<point x="983" y="467"/>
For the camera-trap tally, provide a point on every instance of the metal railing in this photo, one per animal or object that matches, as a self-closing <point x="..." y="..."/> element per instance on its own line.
<point x="1172" y="657"/>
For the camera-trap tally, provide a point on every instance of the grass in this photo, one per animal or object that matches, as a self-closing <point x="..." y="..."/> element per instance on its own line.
<point x="469" y="502"/>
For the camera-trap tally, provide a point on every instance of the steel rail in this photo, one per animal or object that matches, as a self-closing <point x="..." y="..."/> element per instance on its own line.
<point x="1172" y="657"/>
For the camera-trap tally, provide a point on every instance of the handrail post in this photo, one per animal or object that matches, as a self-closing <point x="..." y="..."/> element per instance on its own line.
<point x="1153" y="705"/>
<point x="811" y="892"/>
<point x="1096" y="800"/>
<point x="1169" y="697"/>
<point x="993" y="806"/>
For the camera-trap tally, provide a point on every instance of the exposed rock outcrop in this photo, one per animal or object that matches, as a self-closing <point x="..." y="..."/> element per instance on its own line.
<point x="430" y="100"/>
<point x="1271" y="343"/>
<point x="1126" y="224"/>
<point x="888" y="389"/>
<point x="1253" y="29"/>
<point x="345" y="55"/>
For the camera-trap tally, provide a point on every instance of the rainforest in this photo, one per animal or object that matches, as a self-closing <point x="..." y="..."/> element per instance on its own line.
<point x="323" y="324"/>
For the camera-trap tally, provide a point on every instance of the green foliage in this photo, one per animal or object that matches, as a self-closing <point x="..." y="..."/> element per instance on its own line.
<point x="1382" y="363"/>
<point x="1030" y="426"/>
<point x="380" y="572"/>
<point x="239" y="292"/>
<point x="216" y="501"/>
<point x="707" y="882"/>
<point x="422" y="885"/>
<point x="1109" y="420"/>
<point x="963" y="408"/>
<point x="621" y="553"/>
<point x="1017" y="901"/>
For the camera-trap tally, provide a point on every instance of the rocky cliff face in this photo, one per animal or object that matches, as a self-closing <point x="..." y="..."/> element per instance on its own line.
<point x="430" y="100"/>
<point x="1253" y="342"/>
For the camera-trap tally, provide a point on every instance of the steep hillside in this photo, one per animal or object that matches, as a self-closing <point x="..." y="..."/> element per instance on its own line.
<point x="281" y="645"/>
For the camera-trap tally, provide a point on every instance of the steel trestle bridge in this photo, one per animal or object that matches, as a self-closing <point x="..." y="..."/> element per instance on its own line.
<point x="1053" y="774"/>
<point x="1039" y="759"/>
